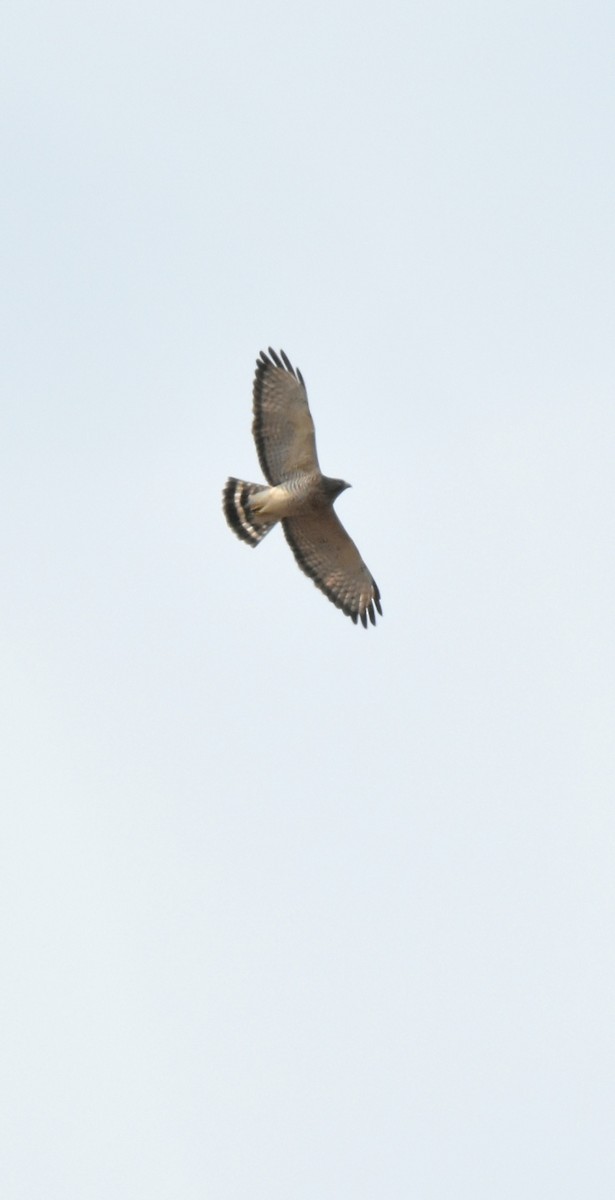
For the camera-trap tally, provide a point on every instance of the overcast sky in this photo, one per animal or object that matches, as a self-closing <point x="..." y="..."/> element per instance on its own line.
<point x="291" y="910"/>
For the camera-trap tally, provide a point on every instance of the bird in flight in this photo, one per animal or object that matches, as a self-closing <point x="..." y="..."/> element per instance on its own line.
<point x="298" y="495"/>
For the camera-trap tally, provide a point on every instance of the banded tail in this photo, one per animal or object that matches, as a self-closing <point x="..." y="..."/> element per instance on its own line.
<point x="237" y="509"/>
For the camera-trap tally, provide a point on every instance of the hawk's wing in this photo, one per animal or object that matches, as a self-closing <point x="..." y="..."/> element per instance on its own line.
<point x="329" y="556"/>
<point x="283" y="427"/>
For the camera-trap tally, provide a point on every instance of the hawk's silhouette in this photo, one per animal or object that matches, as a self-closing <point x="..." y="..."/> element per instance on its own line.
<point x="299" y="495"/>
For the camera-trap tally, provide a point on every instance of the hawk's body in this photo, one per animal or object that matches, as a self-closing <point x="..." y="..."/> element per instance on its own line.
<point x="299" y="495"/>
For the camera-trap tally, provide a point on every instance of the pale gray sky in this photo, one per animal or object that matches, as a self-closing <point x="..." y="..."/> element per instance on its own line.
<point x="291" y="910"/>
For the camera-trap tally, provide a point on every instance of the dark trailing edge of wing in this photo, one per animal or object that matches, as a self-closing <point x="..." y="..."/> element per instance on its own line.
<point x="346" y="609"/>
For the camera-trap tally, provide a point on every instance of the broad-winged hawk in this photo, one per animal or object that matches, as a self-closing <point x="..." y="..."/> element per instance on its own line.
<point x="299" y="495"/>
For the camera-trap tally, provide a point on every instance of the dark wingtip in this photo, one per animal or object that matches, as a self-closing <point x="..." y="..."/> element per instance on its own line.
<point x="271" y="358"/>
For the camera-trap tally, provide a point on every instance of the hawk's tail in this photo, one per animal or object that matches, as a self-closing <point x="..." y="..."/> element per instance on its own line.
<point x="237" y="509"/>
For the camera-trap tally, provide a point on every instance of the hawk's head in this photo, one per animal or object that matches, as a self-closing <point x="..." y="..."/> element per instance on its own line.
<point x="334" y="487"/>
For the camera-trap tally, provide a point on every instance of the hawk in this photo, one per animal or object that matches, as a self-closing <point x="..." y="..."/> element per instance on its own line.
<point x="299" y="495"/>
